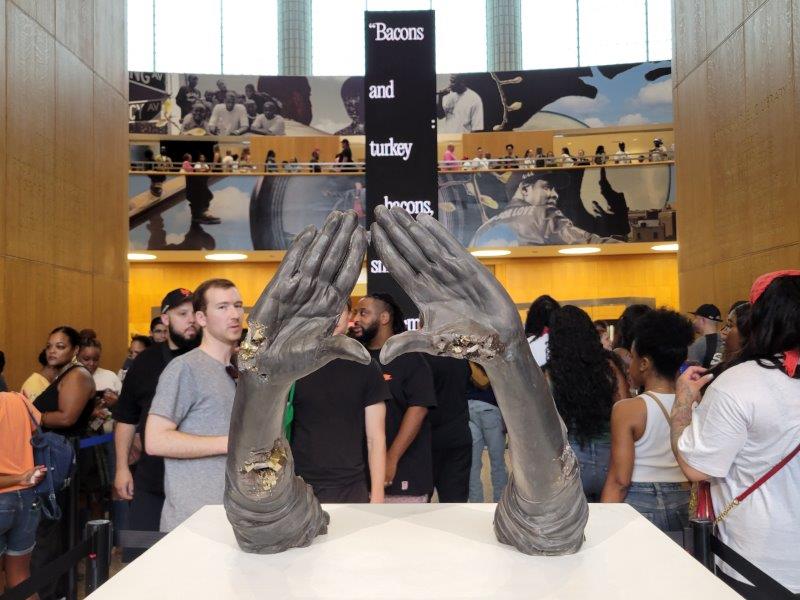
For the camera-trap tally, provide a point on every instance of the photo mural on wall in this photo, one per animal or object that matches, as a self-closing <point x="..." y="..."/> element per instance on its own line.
<point x="517" y="207"/>
<point x="197" y="104"/>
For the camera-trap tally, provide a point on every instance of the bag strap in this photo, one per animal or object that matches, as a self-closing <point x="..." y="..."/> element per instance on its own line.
<point x="758" y="483"/>
<point x="36" y="425"/>
<point x="660" y="405"/>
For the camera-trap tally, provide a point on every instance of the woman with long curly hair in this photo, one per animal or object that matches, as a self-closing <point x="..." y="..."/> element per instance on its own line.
<point x="586" y="380"/>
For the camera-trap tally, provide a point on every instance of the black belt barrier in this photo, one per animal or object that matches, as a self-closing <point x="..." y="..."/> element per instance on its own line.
<point x="707" y="546"/>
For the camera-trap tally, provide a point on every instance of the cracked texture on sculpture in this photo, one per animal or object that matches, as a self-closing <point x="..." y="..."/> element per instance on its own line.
<point x="289" y="336"/>
<point x="467" y="314"/>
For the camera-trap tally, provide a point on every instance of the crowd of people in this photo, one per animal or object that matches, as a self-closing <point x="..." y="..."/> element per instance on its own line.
<point x="653" y="404"/>
<point x="538" y="159"/>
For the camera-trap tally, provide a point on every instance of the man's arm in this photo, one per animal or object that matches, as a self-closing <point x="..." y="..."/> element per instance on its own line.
<point x="476" y="119"/>
<point x="409" y="428"/>
<point x="164" y="439"/>
<point x="624" y="415"/>
<point x="123" y="441"/>
<point x="212" y="122"/>
<point x="687" y="392"/>
<point x="440" y="112"/>
<point x="375" y="423"/>
<point x="244" y="123"/>
<point x="279" y="127"/>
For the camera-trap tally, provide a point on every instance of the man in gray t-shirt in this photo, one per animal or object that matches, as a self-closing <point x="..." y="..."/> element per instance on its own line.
<point x="707" y="348"/>
<point x="191" y="411"/>
<point x="196" y="393"/>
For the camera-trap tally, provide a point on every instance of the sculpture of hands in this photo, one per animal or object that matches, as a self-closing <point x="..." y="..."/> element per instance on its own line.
<point x="467" y="314"/>
<point x="289" y="336"/>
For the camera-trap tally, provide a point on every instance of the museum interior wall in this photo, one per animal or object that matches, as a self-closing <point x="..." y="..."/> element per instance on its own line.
<point x="63" y="156"/>
<point x="605" y="280"/>
<point x="736" y="97"/>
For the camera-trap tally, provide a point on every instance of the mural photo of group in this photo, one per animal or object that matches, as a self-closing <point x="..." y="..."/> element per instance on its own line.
<point x="192" y="104"/>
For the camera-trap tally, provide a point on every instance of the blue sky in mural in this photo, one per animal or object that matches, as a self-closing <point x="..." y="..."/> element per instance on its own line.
<point x="625" y="99"/>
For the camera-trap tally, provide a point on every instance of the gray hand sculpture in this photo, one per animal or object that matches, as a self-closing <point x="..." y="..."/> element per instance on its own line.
<point x="468" y="314"/>
<point x="289" y="337"/>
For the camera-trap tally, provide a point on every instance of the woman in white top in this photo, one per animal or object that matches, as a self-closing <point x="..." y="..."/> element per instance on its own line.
<point x="537" y="326"/>
<point x="106" y="382"/>
<point x="643" y="471"/>
<point x="747" y="422"/>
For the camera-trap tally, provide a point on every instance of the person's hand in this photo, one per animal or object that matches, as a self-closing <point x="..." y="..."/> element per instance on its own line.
<point x="466" y="312"/>
<point x="290" y="327"/>
<point x="391" y="471"/>
<point x="689" y="385"/>
<point x="110" y="397"/>
<point x="123" y="484"/>
<point x="33" y="476"/>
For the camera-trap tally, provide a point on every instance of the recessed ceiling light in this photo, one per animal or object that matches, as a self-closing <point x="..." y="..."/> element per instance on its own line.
<point x="141" y="256"/>
<point x="581" y="250"/>
<point x="490" y="253"/>
<point x="673" y="247"/>
<point x="226" y="256"/>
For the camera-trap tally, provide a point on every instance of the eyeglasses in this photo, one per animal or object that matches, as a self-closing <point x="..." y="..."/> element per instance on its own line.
<point x="232" y="372"/>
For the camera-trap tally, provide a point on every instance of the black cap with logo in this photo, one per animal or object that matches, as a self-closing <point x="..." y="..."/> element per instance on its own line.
<point x="175" y="298"/>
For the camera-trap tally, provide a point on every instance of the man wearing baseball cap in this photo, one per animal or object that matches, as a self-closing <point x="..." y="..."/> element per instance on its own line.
<point x="707" y="348"/>
<point x="145" y="486"/>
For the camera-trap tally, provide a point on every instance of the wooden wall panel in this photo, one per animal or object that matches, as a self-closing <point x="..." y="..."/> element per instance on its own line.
<point x="75" y="27"/>
<point x="110" y="181"/>
<point x="54" y="232"/>
<point x="109" y="43"/>
<point x="721" y="18"/>
<point x="771" y="147"/>
<point x="30" y="122"/>
<point x="732" y="206"/>
<point x="41" y="11"/>
<point x="3" y="156"/>
<point x="74" y="154"/>
<point x="109" y="311"/>
<point x="689" y="33"/>
<point x="33" y="310"/>
<point x="740" y="213"/>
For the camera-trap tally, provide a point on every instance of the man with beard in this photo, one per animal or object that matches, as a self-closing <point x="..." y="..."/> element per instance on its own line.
<point x="145" y="487"/>
<point x="409" y="466"/>
<point x="229" y="118"/>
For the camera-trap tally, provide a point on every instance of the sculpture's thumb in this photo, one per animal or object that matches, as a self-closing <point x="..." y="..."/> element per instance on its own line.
<point x="409" y="341"/>
<point x="341" y="346"/>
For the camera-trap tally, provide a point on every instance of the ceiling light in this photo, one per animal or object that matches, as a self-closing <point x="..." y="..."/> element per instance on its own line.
<point x="581" y="250"/>
<point x="673" y="247"/>
<point x="141" y="256"/>
<point x="490" y="253"/>
<point x="226" y="256"/>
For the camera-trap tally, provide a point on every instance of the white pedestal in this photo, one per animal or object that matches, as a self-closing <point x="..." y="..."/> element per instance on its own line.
<point x="437" y="551"/>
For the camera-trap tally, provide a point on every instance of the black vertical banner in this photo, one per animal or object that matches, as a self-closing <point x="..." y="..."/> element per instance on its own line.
<point x="400" y="122"/>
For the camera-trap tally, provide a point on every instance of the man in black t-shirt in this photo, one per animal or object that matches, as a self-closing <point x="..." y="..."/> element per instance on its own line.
<point x="452" y="440"/>
<point x="337" y="409"/>
<point x="409" y="468"/>
<point x="145" y="486"/>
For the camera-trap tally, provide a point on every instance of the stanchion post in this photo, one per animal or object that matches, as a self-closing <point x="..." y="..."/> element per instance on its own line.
<point x="702" y="530"/>
<point x="72" y="523"/>
<point x="99" y="559"/>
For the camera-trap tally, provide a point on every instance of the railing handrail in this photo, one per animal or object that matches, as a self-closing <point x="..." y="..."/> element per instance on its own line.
<point x="350" y="168"/>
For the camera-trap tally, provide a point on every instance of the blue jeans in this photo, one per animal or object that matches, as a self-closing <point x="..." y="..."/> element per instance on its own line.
<point x="486" y="426"/>
<point x="666" y="505"/>
<point x="20" y="512"/>
<point x="593" y="459"/>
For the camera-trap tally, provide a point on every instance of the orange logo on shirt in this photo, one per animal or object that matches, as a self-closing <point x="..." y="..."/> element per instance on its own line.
<point x="387" y="376"/>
